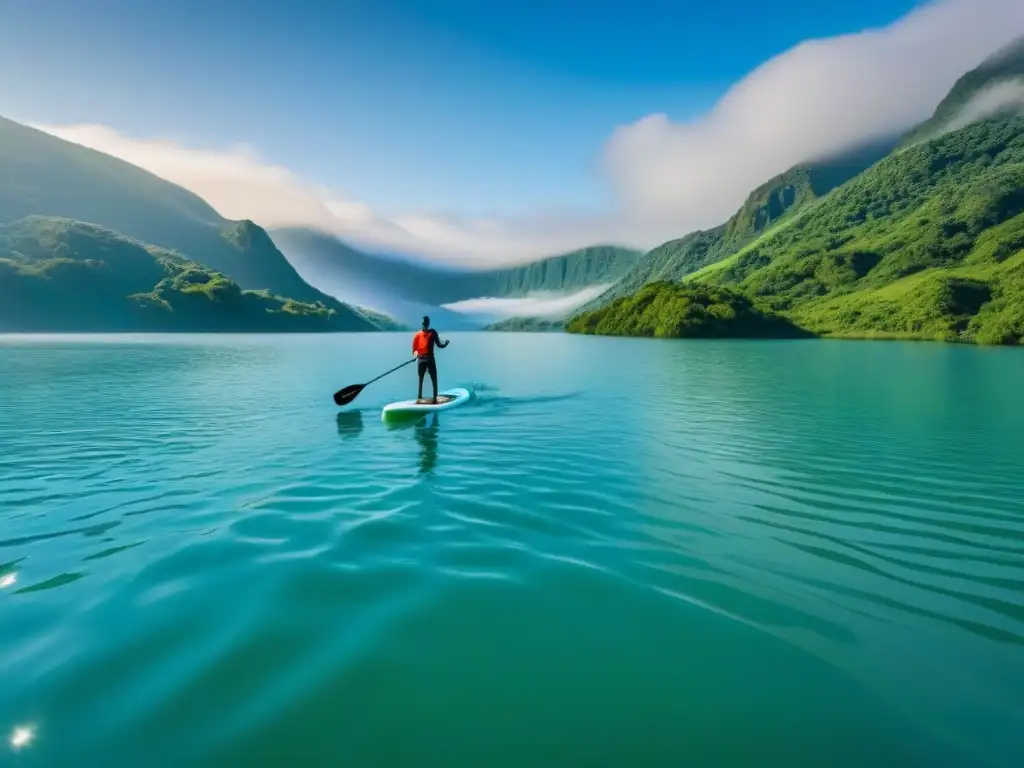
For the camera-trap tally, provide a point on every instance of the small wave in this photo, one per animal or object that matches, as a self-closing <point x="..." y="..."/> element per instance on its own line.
<point x="506" y="402"/>
<point x="722" y="530"/>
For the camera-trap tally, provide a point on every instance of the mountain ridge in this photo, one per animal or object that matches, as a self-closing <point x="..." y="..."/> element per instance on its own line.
<point x="769" y="205"/>
<point x="1005" y="66"/>
<point x="410" y="289"/>
<point x="44" y="175"/>
<point x="925" y="243"/>
<point x="62" y="275"/>
<point x="921" y="246"/>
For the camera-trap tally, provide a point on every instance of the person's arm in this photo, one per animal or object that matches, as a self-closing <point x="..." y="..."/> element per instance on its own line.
<point x="441" y="344"/>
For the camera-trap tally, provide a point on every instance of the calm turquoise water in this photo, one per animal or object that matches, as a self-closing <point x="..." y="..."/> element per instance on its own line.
<point x="622" y="552"/>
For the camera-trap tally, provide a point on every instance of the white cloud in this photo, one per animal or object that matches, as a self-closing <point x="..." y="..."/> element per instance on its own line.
<point x="671" y="178"/>
<point x="539" y="304"/>
<point x="817" y="98"/>
<point x="234" y="181"/>
<point x="1003" y="95"/>
<point x="239" y="184"/>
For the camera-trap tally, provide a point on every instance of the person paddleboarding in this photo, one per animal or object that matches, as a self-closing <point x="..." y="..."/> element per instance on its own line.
<point x="423" y="350"/>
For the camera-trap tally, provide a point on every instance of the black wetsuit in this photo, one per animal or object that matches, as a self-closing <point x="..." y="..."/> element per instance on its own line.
<point x="426" y="363"/>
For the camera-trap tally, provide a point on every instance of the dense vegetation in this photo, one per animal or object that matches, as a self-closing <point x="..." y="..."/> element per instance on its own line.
<point x="766" y="208"/>
<point x="380" y="321"/>
<point x="924" y="241"/>
<point x="676" y="310"/>
<point x="63" y="275"/>
<point x="926" y="244"/>
<point x="527" y="324"/>
<point x="41" y="175"/>
<point x="586" y="267"/>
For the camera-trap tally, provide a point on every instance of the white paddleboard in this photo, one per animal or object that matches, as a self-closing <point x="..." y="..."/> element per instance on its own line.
<point x="449" y="398"/>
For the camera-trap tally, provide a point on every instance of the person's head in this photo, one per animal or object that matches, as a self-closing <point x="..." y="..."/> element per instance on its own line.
<point x="426" y="322"/>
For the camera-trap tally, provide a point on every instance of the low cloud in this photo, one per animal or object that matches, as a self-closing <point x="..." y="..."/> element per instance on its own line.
<point x="540" y="304"/>
<point x="820" y="97"/>
<point x="238" y="183"/>
<point x="235" y="181"/>
<point x="1002" y="96"/>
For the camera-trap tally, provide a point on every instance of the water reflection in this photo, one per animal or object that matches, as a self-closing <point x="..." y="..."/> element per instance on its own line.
<point x="350" y="423"/>
<point x="426" y="431"/>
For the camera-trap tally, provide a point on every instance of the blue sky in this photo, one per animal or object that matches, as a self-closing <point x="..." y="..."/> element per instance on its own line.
<point x="473" y="106"/>
<point x="453" y="108"/>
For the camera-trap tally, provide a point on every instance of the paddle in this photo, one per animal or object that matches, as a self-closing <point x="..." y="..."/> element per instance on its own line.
<point x="348" y="394"/>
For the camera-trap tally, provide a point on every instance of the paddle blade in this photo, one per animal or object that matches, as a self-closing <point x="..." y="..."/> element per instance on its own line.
<point x="348" y="394"/>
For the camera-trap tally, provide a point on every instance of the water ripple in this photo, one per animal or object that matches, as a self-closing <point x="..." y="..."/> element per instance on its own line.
<point x="209" y="564"/>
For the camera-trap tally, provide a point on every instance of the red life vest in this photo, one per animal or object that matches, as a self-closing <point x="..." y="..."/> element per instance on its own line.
<point x="421" y="343"/>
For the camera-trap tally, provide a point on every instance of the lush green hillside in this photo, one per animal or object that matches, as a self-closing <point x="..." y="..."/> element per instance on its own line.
<point x="527" y="324"/>
<point x="569" y="272"/>
<point x="926" y="244"/>
<point x="1005" y="65"/>
<point x="41" y="175"/>
<point x="64" y="275"/>
<point x="332" y="264"/>
<point x="327" y="261"/>
<point x="675" y="310"/>
<point x="768" y="207"/>
<point x="381" y="322"/>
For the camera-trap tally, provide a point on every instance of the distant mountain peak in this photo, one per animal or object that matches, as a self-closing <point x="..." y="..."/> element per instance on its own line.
<point x="408" y="290"/>
<point x="1008" y="54"/>
<point x="45" y="176"/>
<point x="994" y="88"/>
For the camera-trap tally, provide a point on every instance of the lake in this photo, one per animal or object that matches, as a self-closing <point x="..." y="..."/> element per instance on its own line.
<point x="620" y="552"/>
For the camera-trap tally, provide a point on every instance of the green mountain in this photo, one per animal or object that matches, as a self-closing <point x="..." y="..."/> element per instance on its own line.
<point x="381" y="321"/>
<point x="668" y="309"/>
<point x="573" y="271"/>
<point x="330" y="260"/>
<point x="1004" y="67"/>
<point x="927" y="244"/>
<point x="527" y="325"/>
<point x="41" y="175"/>
<point x="768" y="207"/>
<point x="60" y="275"/>
<point x="408" y="290"/>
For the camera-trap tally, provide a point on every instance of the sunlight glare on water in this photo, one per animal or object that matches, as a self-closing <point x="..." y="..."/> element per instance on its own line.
<point x="21" y="737"/>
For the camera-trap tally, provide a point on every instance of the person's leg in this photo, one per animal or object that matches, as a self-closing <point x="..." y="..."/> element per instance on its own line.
<point x="422" y="365"/>
<point x="433" y="377"/>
